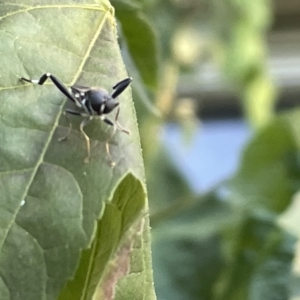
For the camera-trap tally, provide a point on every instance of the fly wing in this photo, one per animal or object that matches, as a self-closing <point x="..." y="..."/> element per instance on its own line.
<point x="120" y="87"/>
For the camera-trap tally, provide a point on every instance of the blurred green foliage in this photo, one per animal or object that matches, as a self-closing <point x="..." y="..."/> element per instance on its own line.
<point x="230" y="243"/>
<point x="241" y="28"/>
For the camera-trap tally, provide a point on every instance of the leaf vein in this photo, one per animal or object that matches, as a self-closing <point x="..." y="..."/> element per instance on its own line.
<point x="87" y="6"/>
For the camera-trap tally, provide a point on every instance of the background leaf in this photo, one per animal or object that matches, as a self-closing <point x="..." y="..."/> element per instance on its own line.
<point x="260" y="263"/>
<point x="241" y="46"/>
<point x="269" y="172"/>
<point x="187" y="250"/>
<point x="238" y="242"/>
<point x="140" y="39"/>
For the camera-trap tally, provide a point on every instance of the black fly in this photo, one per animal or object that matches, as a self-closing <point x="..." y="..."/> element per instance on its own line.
<point x="93" y="102"/>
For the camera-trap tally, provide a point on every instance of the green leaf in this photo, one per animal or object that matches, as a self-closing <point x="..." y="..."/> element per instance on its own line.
<point x="234" y="247"/>
<point x="140" y="39"/>
<point x="161" y="175"/>
<point x="263" y="189"/>
<point x="50" y="199"/>
<point x="242" y="51"/>
<point x="260" y="265"/>
<point x="108" y="260"/>
<point x="269" y="172"/>
<point x="187" y="250"/>
<point x="138" y="284"/>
